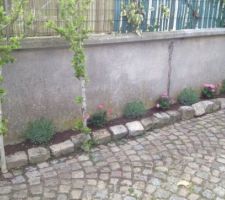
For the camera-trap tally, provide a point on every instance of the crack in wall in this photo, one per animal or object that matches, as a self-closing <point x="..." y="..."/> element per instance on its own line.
<point x="170" y="51"/>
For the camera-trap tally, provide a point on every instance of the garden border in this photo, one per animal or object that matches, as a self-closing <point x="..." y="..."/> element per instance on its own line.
<point x="103" y="136"/>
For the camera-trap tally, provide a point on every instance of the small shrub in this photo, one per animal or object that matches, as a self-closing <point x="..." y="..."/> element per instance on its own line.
<point x="79" y="126"/>
<point x="164" y="102"/>
<point x="99" y="118"/>
<point x="134" y="110"/>
<point x="222" y="89"/>
<point x="188" y="96"/>
<point x="40" y="131"/>
<point x="209" y="91"/>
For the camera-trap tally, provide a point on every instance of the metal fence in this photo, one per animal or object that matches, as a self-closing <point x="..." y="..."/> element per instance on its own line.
<point x="104" y="16"/>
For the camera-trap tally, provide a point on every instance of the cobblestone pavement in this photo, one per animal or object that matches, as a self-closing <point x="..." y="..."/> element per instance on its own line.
<point x="178" y="162"/>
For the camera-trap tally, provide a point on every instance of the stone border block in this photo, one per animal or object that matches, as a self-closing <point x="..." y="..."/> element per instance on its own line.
<point x="174" y="115"/>
<point x="118" y="131"/>
<point x="216" y="105"/>
<point x="79" y="139"/>
<point x="17" y="160"/>
<point x="150" y="123"/>
<point x="164" y="118"/>
<point x="135" y="128"/>
<point x="222" y="102"/>
<point x="61" y="149"/>
<point x="101" y="136"/>
<point x="187" y="112"/>
<point x="37" y="155"/>
<point x="199" y="109"/>
<point x="208" y="106"/>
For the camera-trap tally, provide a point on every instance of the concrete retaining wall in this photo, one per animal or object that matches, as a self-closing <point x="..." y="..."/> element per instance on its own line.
<point x="121" y="68"/>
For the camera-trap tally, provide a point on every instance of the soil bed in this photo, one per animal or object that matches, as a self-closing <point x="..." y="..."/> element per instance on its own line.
<point x="63" y="136"/>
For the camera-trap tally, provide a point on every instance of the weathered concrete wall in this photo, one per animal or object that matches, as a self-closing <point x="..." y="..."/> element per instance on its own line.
<point x="121" y="69"/>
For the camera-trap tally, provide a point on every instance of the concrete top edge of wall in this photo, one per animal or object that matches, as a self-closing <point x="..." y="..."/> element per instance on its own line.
<point x="104" y="39"/>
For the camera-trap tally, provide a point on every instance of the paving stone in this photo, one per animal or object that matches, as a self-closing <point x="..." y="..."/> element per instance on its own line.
<point x="37" y="155"/>
<point x="187" y="112"/>
<point x="219" y="191"/>
<point x="76" y="194"/>
<point x="102" y="136"/>
<point x="135" y="128"/>
<point x="17" y="160"/>
<point x="62" y="197"/>
<point x="62" y="149"/>
<point x="208" y="194"/>
<point x="5" y="190"/>
<point x="118" y="131"/>
<point x="184" y="161"/>
<point x="78" y="140"/>
<point x="193" y="196"/>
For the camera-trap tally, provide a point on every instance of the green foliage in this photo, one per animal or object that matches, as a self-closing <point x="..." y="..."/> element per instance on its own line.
<point x="188" y="96"/>
<point x="165" y="10"/>
<point x="73" y="13"/>
<point x="40" y="131"/>
<point x="3" y="127"/>
<point x="79" y="126"/>
<point x="79" y="100"/>
<point x="7" y="42"/>
<point x="87" y="145"/>
<point x="207" y="94"/>
<point x="134" y="110"/>
<point x="98" y="119"/>
<point x="209" y="91"/>
<point x="222" y="89"/>
<point x="164" y="102"/>
<point x="73" y="29"/>
<point x="134" y="12"/>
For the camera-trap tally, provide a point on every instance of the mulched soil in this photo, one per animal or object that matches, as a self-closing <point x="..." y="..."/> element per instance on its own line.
<point x="23" y="146"/>
<point x="63" y="136"/>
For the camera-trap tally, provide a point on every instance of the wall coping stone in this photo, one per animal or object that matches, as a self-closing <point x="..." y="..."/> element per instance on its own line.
<point x="116" y="38"/>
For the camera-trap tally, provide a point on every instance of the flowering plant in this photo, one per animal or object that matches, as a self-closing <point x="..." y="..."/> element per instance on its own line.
<point x="209" y="90"/>
<point x="164" y="102"/>
<point x="99" y="118"/>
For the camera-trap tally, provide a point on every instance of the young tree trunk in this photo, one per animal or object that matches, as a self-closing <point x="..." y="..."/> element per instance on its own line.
<point x="84" y="101"/>
<point x="3" y="160"/>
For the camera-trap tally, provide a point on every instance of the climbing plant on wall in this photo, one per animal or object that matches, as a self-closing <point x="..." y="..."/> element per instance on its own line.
<point x="8" y="43"/>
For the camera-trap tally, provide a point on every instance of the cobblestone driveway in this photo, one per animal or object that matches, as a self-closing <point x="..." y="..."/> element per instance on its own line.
<point x="178" y="162"/>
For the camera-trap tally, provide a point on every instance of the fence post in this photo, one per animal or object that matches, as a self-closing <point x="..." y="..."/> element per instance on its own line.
<point x="175" y="15"/>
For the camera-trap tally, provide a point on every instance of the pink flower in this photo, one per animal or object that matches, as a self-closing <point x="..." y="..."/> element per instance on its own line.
<point x="110" y="111"/>
<point x="101" y="106"/>
<point x="206" y="85"/>
<point x="157" y="105"/>
<point x="165" y="95"/>
<point x="211" y="86"/>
